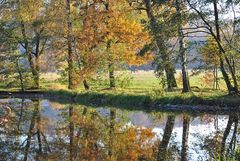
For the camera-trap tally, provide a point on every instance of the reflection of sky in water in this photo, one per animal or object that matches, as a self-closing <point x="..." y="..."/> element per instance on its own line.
<point x="198" y="131"/>
<point x="200" y="127"/>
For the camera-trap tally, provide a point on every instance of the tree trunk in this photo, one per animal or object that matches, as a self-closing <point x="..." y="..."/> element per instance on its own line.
<point x="20" y="75"/>
<point x="170" y="70"/>
<point x="70" y="50"/>
<point x="37" y="75"/>
<point x="186" y="123"/>
<point x="215" y="78"/>
<point x="29" y="56"/>
<point x="85" y="84"/>
<point x="162" y="150"/>
<point x="110" y="58"/>
<point x="217" y="83"/>
<point x="182" y="50"/>
<point x="231" y="89"/>
<point x="111" y="75"/>
<point x="168" y="65"/>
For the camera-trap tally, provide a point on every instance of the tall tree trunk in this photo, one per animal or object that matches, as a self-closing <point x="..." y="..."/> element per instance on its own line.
<point x="37" y="76"/>
<point x="182" y="50"/>
<point x="112" y="83"/>
<point x="170" y="70"/>
<point x="111" y="75"/>
<point x="162" y="150"/>
<point x="215" y="81"/>
<point x="29" y="56"/>
<point x="70" y="50"/>
<point x="168" y="65"/>
<point x="231" y="89"/>
<point x="20" y="75"/>
<point x="186" y="123"/>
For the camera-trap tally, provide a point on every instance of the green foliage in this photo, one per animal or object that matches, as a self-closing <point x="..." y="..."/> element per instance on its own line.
<point x="124" y="80"/>
<point x="63" y="76"/>
<point x="100" y="82"/>
<point x="157" y="92"/>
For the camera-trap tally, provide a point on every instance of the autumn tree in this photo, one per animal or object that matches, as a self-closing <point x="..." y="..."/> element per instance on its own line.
<point x="124" y="37"/>
<point x="209" y="53"/>
<point x="34" y="38"/>
<point x="28" y="19"/>
<point x="70" y="46"/>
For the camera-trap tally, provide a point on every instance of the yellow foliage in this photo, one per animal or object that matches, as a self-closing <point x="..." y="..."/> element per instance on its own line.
<point x="111" y="35"/>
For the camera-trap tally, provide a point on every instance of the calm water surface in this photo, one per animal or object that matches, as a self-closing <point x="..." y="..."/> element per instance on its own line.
<point x="44" y="130"/>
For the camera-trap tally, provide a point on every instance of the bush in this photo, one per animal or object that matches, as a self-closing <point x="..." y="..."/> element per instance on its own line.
<point x="124" y="80"/>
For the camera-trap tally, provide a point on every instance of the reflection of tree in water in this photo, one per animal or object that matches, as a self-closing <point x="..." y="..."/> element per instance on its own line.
<point x="82" y="133"/>
<point x="229" y="151"/>
<point x="104" y="138"/>
<point x="222" y="146"/>
<point x="24" y="128"/>
<point x="185" y="135"/>
<point x="162" y="150"/>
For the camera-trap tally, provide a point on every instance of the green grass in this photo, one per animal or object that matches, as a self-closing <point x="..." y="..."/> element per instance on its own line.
<point x="144" y="91"/>
<point x="215" y="102"/>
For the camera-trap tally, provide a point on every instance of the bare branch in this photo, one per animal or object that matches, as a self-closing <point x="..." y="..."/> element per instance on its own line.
<point x="197" y="31"/>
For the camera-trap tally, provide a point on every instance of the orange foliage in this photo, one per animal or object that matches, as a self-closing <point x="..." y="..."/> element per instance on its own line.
<point x="115" y="26"/>
<point x="208" y="78"/>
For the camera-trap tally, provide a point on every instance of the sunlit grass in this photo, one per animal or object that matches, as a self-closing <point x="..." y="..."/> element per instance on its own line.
<point x="144" y="88"/>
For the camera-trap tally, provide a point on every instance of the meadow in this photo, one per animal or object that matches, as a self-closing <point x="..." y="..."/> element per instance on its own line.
<point x="141" y="89"/>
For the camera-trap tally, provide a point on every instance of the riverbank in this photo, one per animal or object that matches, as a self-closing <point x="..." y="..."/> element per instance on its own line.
<point x="147" y="100"/>
<point x="206" y="101"/>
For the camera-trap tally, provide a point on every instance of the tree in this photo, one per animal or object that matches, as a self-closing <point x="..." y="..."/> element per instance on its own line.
<point x="124" y="37"/>
<point x="27" y="19"/>
<point x="34" y="40"/>
<point x="161" y="25"/>
<point x="210" y="56"/>
<point x="70" y="46"/>
<point x="215" y="29"/>
<point x="182" y="49"/>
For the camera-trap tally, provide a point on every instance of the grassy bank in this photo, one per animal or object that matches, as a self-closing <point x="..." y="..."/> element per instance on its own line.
<point x="143" y="91"/>
<point x="125" y="99"/>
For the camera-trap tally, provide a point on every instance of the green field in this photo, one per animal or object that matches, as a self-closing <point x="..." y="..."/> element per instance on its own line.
<point x="140" y="81"/>
<point x="143" y="86"/>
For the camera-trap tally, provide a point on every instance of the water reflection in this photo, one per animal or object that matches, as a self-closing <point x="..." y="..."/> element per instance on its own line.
<point x="42" y="130"/>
